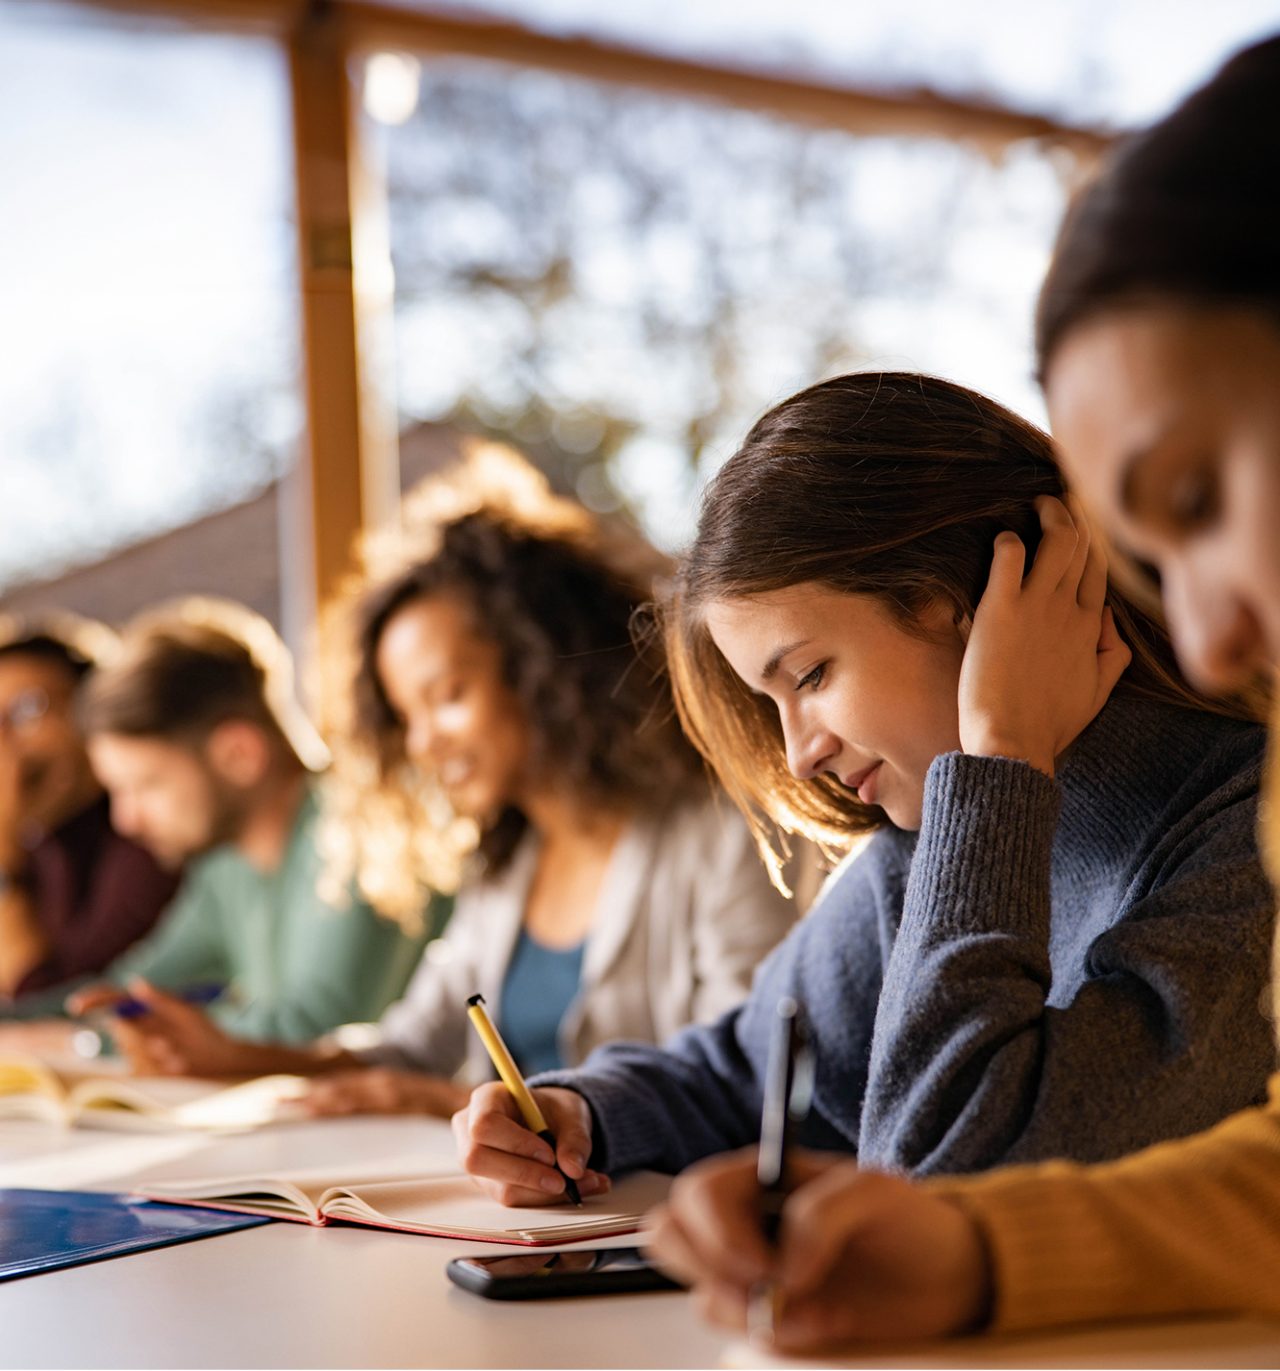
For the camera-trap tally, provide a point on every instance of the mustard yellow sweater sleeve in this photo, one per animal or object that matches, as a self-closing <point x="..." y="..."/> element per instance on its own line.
<point x="1185" y="1227"/>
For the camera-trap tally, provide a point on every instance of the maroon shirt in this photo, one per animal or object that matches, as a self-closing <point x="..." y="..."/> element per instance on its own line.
<point x="95" y="893"/>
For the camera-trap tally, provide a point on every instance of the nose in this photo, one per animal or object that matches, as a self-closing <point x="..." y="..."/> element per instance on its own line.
<point x="1219" y="638"/>
<point x="809" y="747"/>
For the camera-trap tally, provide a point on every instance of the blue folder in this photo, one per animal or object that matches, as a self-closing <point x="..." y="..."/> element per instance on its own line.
<point x="42" y="1230"/>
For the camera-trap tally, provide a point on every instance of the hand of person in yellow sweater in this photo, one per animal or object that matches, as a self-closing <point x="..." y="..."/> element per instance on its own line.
<point x="859" y="1254"/>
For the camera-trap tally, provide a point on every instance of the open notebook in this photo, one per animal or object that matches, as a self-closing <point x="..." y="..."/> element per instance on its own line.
<point x="98" y="1098"/>
<point x="440" y="1205"/>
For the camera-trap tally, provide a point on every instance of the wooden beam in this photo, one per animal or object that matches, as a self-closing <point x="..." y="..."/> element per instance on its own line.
<point x="913" y="112"/>
<point x="917" y="112"/>
<point x="335" y="491"/>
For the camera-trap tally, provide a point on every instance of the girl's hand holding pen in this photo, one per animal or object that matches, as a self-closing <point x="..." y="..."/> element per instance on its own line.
<point x="859" y="1255"/>
<point x="514" y="1165"/>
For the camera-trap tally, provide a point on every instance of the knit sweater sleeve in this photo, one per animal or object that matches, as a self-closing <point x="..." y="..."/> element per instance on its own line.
<point x="975" y="1063"/>
<point x="665" y="1107"/>
<point x="1185" y="1227"/>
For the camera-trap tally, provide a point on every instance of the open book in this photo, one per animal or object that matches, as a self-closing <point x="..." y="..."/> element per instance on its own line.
<point x="101" y="1098"/>
<point x="440" y="1205"/>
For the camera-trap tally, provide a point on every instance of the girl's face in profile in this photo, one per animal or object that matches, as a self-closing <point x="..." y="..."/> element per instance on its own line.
<point x="1168" y="423"/>
<point x="462" y="723"/>
<point x="858" y="696"/>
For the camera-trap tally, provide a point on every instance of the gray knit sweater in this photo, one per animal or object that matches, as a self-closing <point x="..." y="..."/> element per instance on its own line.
<point x="1069" y="967"/>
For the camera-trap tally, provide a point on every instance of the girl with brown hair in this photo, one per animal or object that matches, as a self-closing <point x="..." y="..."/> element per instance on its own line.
<point x="1055" y="940"/>
<point x="1159" y="343"/>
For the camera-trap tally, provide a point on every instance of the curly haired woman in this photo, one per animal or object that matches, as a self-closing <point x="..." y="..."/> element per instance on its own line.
<point x="505" y="730"/>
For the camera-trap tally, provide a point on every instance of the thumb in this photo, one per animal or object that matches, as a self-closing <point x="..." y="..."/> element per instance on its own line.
<point x="573" y="1143"/>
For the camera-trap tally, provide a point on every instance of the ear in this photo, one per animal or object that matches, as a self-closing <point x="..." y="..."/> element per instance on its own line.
<point x="942" y="617"/>
<point x="238" y="752"/>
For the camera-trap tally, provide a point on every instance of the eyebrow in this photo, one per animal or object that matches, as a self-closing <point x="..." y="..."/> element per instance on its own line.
<point x="771" y="666"/>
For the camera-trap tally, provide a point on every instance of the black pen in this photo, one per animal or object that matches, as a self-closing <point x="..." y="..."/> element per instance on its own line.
<point x="788" y="1091"/>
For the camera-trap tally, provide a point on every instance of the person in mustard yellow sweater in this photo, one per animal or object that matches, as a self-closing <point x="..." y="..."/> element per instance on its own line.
<point x="1158" y="336"/>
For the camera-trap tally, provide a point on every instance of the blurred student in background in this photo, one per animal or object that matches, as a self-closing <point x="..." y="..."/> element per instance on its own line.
<point x="1159" y="346"/>
<point x="74" y="892"/>
<point x="185" y="734"/>
<point x="503" y="725"/>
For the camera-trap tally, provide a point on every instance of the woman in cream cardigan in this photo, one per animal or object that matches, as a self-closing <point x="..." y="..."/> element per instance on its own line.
<point x="1159" y="344"/>
<point x="684" y="915"/>
<point x="507" y="736"/>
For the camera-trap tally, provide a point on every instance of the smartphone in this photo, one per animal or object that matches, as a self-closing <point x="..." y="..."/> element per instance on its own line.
<point x="546" y="1275"/>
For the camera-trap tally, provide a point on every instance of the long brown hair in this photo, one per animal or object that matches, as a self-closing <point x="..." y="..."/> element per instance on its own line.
<point x="555" y="589"/>
<point x="888" y="484"/>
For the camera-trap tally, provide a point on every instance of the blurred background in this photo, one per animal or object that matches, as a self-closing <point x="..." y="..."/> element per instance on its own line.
<point x="263" y="263"/>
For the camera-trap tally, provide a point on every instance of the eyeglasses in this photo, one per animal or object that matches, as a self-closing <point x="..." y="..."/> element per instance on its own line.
<point x="25" y="710"/>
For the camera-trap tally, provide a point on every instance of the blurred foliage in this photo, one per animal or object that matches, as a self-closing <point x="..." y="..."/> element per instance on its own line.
<point x="578" y="265"/>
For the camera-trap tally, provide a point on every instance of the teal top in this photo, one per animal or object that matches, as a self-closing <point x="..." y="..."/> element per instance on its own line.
<point x="540" y="985"/>
<point x="294" y="966"/>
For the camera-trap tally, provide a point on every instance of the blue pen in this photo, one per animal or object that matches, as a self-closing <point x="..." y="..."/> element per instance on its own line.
<point x="129" y="1008"/>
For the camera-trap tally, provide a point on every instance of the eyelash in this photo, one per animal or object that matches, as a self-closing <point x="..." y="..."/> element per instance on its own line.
<point x="814" y="678"/>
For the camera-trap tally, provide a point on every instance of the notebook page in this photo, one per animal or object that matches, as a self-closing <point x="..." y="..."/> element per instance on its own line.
<point x="456" y="1205"/>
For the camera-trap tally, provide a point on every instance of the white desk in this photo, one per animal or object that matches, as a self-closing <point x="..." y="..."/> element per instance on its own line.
<point x="288" y="1295"/>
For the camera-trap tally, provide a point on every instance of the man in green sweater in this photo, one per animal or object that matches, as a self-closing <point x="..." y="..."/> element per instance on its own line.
<point x="200" y="769"/>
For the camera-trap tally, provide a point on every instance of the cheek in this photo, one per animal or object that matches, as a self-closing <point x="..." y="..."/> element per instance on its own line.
<point x="1258" y="539"/>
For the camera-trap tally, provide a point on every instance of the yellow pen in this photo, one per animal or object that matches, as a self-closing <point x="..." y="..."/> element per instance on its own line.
<point x="505" y="1064"/>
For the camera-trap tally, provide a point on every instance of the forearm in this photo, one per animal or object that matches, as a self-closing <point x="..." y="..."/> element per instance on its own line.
<point x="274" y="1059"/>
<point x="1187" y="1227"/>
<point x="1151" y="1031"/>
<point x="663" y="1109"/>
<point x="963" y="1001"/>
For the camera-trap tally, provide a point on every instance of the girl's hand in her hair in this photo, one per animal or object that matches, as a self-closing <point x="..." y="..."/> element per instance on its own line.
<point x="383" y="1090"/>
<point x="1043" y="654"/>
<point x="859" y="1254"/>
<point x="516" y="1166"/>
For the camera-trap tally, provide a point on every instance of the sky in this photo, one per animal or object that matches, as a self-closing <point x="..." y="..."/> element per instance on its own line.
<point x="146" y="255"/>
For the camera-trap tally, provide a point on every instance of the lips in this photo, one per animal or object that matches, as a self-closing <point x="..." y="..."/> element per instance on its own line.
<point x="864" y="782"/>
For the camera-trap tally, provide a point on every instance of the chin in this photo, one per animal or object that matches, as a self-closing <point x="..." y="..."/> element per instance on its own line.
<point x="906" y="818"/>
<point x="163" y="856"/>
<point x="475" y="802"/>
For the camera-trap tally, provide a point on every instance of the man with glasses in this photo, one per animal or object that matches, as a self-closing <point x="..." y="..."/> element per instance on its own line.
<point x="74" y="893"/>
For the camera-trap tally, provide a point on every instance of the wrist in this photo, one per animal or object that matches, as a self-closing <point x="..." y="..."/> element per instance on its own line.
<point x="984" y="744"/>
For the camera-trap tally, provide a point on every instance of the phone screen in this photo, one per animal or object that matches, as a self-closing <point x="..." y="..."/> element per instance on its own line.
<point x="529" y="1275"/>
